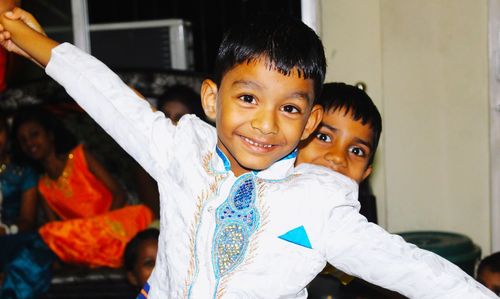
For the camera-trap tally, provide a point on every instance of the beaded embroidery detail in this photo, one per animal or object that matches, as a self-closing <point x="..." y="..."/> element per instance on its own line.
<point x="62" y="183"/>
<point x="237" y="218"/>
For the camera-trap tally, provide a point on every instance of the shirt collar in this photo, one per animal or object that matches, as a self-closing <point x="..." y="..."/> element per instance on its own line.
<point x="279" y="170"/>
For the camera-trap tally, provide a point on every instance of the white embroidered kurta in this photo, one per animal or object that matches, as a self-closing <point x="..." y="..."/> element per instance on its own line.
<point x="261" y="235"/>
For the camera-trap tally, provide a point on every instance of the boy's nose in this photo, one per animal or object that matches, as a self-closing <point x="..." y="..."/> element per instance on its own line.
<point x="336" y="158"/>
<point x="265" y="122"/>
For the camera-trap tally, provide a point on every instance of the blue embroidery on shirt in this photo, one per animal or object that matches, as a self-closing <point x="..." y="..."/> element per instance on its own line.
<point x="297" y="236"/>
<point x="237" y="218"/>
<point x="225" y="160"/>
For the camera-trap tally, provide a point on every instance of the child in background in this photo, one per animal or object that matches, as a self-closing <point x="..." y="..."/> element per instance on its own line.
<point x="345" y="141"/>
<point x="140" y="256"/>
<point x="488" y="272"/>
<point x="348" y="135"/>
<point x="179" y="100"/>
<point x="238" y="220"/>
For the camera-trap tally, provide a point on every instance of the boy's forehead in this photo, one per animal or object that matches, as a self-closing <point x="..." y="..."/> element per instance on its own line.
<point x="340" y="119"/>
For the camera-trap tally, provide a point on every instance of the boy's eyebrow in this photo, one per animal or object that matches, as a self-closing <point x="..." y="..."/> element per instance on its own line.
<point x="301" y="95"/>
<point x="357" y="139"/>
<point x="248" y="83"/>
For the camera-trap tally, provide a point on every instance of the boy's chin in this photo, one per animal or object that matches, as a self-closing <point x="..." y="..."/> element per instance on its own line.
<point x="248" y="166"/>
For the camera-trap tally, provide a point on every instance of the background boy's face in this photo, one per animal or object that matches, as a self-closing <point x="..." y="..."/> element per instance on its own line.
<point x="174" y="110"/>
<point x="341" y="144"/>
<point x="261" y="115"/>
<point x="145" y="263"/>
<point x="490" y="279"/>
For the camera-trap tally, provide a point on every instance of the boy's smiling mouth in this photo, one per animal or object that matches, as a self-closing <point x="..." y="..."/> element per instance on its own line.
<point x="257" y="145"/>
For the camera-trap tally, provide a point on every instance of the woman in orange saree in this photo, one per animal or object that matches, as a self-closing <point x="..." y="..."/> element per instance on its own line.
<point x="83" y="201"/>
<point x="89" y="233"/>
<point x="88" y="223"/>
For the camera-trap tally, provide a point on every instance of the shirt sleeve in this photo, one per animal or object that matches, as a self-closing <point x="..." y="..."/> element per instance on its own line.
<point x="365" y="250"/>
<point x="129" y="119"/>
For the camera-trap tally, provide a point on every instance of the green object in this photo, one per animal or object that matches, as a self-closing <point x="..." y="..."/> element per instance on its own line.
<point x="456" y="248"/>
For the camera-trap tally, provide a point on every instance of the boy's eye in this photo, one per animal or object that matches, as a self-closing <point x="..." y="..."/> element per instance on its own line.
<point x="248" y="99"/>
<point x="290" y="109"/>
<point x="150" y="263"/>
<point x="323" y="137"/>
<point x="357" y="151"/>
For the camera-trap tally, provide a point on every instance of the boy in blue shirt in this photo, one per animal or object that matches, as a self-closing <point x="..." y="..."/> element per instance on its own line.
<point x="238" y="220"/>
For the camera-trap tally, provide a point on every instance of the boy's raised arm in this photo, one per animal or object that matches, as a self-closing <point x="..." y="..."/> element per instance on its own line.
<point x="25" y="36"/>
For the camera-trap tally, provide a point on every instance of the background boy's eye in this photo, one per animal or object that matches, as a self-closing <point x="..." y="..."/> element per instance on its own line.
<point x="323" y="137"/>
<point x="290" y="109"/>
<point x="247" y="99"/>
<point x="357" y="151"/>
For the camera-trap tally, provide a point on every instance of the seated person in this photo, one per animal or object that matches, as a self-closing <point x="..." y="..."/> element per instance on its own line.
<point x="488" y="272"/>
<point x="140" y="257"/>
<point x="18" y="199"/>
<point x="18" y="193"/>
<point x="89" y="224"/>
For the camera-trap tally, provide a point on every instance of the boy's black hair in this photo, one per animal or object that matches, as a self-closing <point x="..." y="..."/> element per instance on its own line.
<point x="185" y="95"/>
<point x="338" y="96"/>
<point x="285" y="42"/>
<point x="132" y="248"/>
<point x="64" y="140"/>
<point x="490" y="263"/>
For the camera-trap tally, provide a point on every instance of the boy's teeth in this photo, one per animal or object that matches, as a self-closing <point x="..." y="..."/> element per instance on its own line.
<point x="257" y="144"/>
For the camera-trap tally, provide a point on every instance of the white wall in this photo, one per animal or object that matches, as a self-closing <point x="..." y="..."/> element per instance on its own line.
<point x="426" y="67"/>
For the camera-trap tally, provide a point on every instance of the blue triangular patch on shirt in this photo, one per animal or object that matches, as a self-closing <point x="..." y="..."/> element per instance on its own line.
<point x="297" y="236"/>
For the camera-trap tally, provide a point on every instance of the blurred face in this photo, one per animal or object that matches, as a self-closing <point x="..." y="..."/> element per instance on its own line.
<point x="341" y="144"/>
<point x="261" y="115"/>
<point x="175" y="110"/>
<point x="35" y="141"/>
<point x="145" y="262"/>
<point x="491" y="280"/>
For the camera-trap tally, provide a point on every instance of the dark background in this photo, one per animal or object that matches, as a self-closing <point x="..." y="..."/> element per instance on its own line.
<point x="208" y="18"/>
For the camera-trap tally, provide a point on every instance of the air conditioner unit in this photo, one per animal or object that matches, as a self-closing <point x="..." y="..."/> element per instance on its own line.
<point x="157" y="44"/>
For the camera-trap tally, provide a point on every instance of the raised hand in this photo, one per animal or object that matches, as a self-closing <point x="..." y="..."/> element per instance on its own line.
<point x="18" y="14"/>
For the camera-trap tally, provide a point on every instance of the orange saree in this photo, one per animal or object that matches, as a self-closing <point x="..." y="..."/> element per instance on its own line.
<point x="89" y="233"/>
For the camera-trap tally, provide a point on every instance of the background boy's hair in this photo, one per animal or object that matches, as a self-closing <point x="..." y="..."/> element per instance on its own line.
<point x="185" y="95"/>
<point x="338" y="96"/>
<point x="490" y="263"/>
<point x="132" y="248"/>
<point x="286" y="42"/>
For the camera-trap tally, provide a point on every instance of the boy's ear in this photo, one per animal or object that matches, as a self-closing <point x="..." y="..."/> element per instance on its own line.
<point x="312" y="123"/>
<point x="367" y="172"/>
<point x="209" y="98"/>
